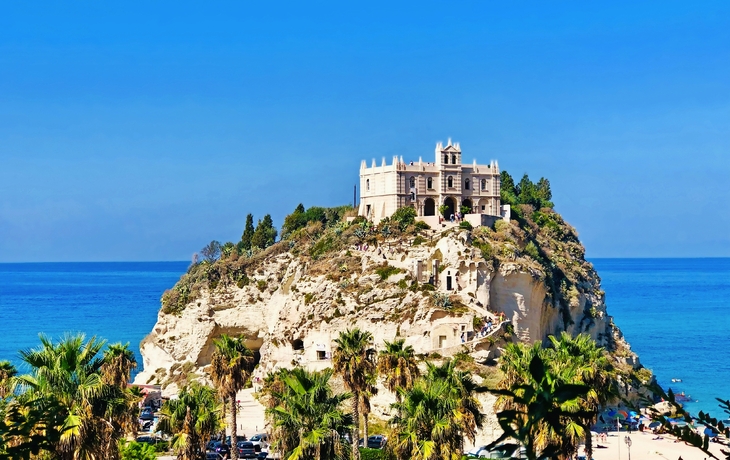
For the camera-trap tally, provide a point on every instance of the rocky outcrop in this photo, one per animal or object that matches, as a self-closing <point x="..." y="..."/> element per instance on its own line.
<point x="434" y="288"/>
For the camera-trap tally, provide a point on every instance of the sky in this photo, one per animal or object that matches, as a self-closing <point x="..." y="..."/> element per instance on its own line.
<point x="142" y="131"/>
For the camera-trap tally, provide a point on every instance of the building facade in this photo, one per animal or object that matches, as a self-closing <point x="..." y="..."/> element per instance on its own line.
<point x="427" y="186"/>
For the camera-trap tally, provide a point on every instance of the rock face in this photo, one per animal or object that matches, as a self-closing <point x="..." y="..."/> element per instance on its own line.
<point x="434" y="288"/>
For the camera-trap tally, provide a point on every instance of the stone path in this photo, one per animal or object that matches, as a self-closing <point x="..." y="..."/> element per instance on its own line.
<point x="250" y="414"/>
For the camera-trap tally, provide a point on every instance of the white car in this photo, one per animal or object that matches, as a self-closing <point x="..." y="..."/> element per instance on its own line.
<point x="260" y="439"/>
<point x="497" y="452"/>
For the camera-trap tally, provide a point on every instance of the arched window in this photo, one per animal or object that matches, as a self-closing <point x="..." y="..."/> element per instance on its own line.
<point x="484" y="184"/>
<point x="367" y="184"/>
<point x="453" y="159"/>
<point x="466" y="184"/>
<point x="413" y="182"/>
<point x="446" y="158"/>
<point x="430" y="183"/>
<point x="450" y="182"/>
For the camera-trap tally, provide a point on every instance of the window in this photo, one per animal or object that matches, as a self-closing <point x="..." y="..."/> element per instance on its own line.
<point x="450" y="182"/>
<point x="446" y="158"/>
<point x="484" y="184"/>
<point x="453" y="159"/>
<point x="367" y="185"/>
<point x="466" y="184"/>
<point x="413" y="182"/>
<point x="321" y="355"/>
<point x="482" y="207"/>
<point x="430" y="183"/>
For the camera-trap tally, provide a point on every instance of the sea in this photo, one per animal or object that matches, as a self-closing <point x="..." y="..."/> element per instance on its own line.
<point x="675" y="313"/>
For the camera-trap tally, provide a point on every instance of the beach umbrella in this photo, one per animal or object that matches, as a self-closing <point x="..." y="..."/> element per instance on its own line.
<point x="655" y="425"/>
<point x="611" y="413"/>
<point x="621" y="415"/>
<point x="710" y="432"/>
<point x="624" y="413"/>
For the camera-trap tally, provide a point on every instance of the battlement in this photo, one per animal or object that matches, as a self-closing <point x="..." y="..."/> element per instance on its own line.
<point x="428" y="185"/>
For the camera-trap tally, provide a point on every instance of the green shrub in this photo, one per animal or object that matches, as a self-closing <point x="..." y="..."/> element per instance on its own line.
<point x="261" y="284"/>
<point x="133" y="450"/>
<point x="162" y="446"/>
<point x="465" y="225"/>
<point x="373" y="454"/>
<point x="418" y="240"/>
<point x="421" y="225"/>
<point x="532" y="251"/>
<point x="243" y="281"/>
<point x="385" y="270"/>
<point x="485" y="248"/>
<point x="425" y="287"/>
<point x="404" y="216"/>
<point x="308" y="298"/>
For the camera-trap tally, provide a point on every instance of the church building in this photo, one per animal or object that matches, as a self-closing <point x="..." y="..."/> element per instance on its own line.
<point x="427" y="186"/>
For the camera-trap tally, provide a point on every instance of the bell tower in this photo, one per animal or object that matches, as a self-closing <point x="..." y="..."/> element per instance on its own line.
<point x="449" y="154"/>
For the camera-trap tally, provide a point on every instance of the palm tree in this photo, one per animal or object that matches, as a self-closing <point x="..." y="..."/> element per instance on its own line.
<point x="397" y="363"/>
<point x="308" y="417"/>
<point x="428" y="423"/>
<point x="463" y="389"/>
<point x="7" y="372"/>
<point x="231" y="367"/>
<point x="119" y="361"/>
<point x="569" y="363"/>
<point x="192" y="419"/>
<point x="542" y="412"/>
<point x="589" y="365"/>
<point x="353" y="360"/>
<point x="69" y="374"/>
<point x="365" y="409"/>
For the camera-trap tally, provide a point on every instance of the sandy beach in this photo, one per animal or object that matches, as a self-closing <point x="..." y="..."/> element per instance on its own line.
<point x="645" y="447"/>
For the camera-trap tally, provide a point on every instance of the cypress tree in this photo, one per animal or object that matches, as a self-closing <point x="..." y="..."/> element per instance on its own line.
<point x="248" y="232"/>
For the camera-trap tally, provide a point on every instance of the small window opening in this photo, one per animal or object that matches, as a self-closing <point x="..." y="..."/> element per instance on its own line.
<point x="466" y="184"/>
<point x="367" y="184"/>
<point x="450" y="181"/>
<point x="413" y="182"/>
<point x="484" y="184"/>
<point x="430" y="183"/>
<point x="321" y="355"/>
<point x="453" y="159"/>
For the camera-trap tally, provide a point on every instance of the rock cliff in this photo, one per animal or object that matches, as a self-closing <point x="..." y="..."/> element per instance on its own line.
<point x="437" y="288"/>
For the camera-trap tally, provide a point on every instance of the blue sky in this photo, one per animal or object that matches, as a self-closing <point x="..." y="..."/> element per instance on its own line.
<point x="141" y="131"/>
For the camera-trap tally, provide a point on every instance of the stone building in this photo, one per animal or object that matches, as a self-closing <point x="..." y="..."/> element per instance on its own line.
<point x="427" y="186"/>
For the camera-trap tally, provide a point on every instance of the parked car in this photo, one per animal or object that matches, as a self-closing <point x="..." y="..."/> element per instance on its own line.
<point x="147" y="414"/>
<point x="223" y="449"/>
<point x="498" y="452"/>
<point x="246" y="449"/>
<point x="260" y="439"/>
<point x="376" y="441"/>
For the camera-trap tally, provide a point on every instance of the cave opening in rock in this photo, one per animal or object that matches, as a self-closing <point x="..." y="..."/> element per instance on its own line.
<point x="297" y="344"/>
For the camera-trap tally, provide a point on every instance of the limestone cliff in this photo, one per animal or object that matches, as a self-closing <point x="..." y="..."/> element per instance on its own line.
<point x="436" y="288"/>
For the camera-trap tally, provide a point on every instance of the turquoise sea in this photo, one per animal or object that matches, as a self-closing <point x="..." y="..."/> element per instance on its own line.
<point x="117" y="301"/>
<point x="674" y="312"/>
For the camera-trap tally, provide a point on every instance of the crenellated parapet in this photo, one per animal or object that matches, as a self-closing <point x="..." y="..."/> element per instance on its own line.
<point x="426" y="186"/>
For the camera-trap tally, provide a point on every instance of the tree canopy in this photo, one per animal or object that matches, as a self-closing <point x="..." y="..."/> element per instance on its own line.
<point x="527" y="192"/>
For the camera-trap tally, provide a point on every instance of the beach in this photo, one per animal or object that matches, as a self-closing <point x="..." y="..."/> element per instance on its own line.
<point x="645" y="446"/>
